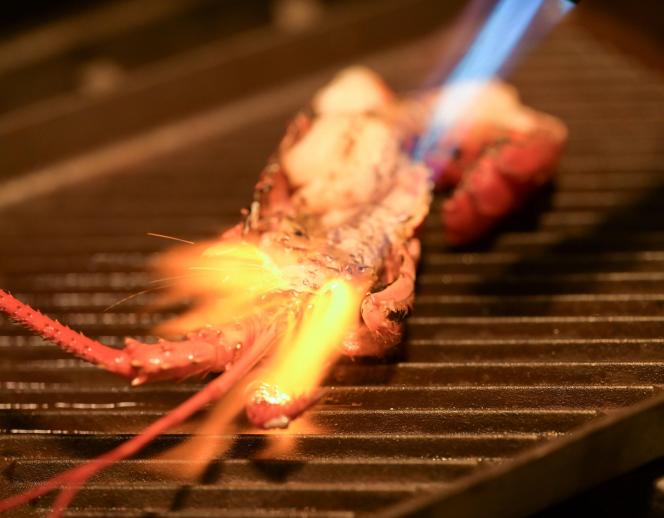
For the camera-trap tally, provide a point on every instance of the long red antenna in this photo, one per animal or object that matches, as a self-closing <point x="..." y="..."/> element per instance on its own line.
<point x="76" y="477"/>
<point x="113" y="360"/>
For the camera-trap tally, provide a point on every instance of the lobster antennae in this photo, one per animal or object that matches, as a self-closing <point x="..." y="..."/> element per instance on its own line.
<point x="111" y="359"/>
<point x="76" y="477"/>
<point x="172" y="238"/>
<point x="133" y="296"/>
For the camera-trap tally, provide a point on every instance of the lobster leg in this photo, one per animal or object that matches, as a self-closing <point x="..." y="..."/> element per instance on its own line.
<point x="76" y="477"/>
<point x="383" y="312"/>
<point x="205" y="350"/>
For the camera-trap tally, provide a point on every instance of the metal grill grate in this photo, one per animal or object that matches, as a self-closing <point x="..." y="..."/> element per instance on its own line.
<point x="515" y="344"/>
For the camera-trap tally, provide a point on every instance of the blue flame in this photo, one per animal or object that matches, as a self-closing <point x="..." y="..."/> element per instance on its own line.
<point x="492" y="47"/>
<point x="566" y="5"/>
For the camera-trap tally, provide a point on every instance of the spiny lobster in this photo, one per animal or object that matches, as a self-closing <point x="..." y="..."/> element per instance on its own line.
<point x="338" y="204"/>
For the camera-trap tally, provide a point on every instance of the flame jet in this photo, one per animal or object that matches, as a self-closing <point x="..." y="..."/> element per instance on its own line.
<point x="488" y="55"/>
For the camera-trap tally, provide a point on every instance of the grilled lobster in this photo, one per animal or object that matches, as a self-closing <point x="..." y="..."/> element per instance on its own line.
<point x="341" y="199"/>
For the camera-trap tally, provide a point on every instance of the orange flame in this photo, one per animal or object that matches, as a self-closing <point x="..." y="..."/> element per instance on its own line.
<point x="232" y="280"/>
<point x="228" y="280"/>
<point x="305" y="353"/>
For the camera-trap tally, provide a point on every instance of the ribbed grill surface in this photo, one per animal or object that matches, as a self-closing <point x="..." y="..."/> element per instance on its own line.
<point x="553" y="323"/>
